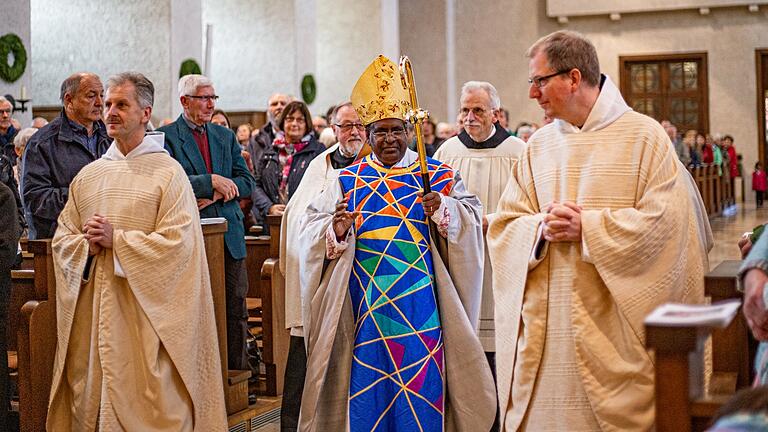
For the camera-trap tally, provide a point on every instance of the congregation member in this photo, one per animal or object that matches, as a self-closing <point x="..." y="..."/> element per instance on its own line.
<point x="733" y="160"/>
<point x="39" y="122"/>
<point x="60" y="149"/>
<point x="445" y="130"/>
<point x="266" y="135"/>
<point x="753" y="276"/>
<point x="284" y="162"/>
<point x="321" y="174"/>
<point x="243" y="135"/>
<point x="10" y="231"/>
<point x="137" y="346"/>
<point x="220" y="118"/>
<point x="319" y="124"/>
<point x="211" y="157"/>
<point x="565" y="243"/>
<point x="7" y="130"/>
<point x="390" y="328"/>
<point x="485" y="155"/>
<point x="682" y="150"/>
<point x="20" y="142"/>
<point x="431" y="141"/>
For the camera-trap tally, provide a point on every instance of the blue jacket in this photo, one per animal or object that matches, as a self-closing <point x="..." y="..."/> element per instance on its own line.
<point x="226" y="161"/>
<point x="52" y="158"/>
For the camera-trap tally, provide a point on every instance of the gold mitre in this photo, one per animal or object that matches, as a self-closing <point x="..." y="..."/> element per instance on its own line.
<point x="379" y="92"/>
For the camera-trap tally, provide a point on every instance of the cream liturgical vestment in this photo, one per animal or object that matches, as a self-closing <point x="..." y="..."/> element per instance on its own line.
<point x="137" y="346"/>
<point x="569" y="320"/>
<point x="485" y="171"/>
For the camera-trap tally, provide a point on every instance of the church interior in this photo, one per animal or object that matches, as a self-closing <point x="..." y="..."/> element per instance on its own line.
<point x="701" y="66"/>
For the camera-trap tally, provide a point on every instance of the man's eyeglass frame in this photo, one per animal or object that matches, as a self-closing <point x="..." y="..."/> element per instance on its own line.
<point x="542" y="81"/>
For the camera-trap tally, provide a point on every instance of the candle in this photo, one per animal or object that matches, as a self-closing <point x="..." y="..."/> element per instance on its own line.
<point x="23" y="94"/>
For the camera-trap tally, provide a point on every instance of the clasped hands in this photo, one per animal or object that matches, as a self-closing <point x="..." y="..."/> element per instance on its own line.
<point x="562" y="222"/>
<point x="223" y="188"/>
<point x="98" y="231"/>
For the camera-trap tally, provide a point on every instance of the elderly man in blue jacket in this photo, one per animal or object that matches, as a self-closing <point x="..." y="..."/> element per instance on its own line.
<point x="210" y="155"/>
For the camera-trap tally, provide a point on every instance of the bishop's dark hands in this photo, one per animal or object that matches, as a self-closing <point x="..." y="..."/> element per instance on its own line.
<point x="343" y="219"/>
<point x="431" y="202"/>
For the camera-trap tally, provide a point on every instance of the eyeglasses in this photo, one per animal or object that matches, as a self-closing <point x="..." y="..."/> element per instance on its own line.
<point x="382" y="134"/>
<point x="6" y="111"/>
<point x="542" y="81"/>
<point x="477" y="111"/>
<point x="295" y="120"/>
<point x="349" y="126"/>
<point x="205" y="98"/>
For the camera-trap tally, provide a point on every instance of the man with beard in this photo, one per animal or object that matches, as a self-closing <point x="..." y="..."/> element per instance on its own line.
<point x="266" y="134"/>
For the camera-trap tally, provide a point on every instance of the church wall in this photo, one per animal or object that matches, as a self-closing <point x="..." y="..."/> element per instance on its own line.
<point x="423" y="40"/>
<point x="349" y="37"/>
<point x="104" y="37"/>
<point x="252" y="51"/>
<point x="491" y="39"/>
<point x="18" y="24"/>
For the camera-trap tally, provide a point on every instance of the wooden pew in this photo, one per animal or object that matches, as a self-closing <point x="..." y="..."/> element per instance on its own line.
<point x="22" y="290"/>
<point x="37" y="342"/>
<point x="37" y="333"/>
<point x="733" y="347"/>
<point x="681" y="403"/>
<point x="235" y="382"/>
<point x="276" y="336"/>
<point x="716" y="190"/>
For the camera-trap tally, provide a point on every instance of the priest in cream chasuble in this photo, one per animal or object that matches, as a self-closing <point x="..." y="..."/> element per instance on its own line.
<point x="599" y="224"/>
<point x="137" y="345"/>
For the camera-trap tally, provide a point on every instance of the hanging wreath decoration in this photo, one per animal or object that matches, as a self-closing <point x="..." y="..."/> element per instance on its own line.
<point x="12" y="44"/>
<point x="189" y="67"/>
<point x="308" y="89"/>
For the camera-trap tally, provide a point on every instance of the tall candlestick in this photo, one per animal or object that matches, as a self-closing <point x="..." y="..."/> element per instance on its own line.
<point x="23" y="94"/>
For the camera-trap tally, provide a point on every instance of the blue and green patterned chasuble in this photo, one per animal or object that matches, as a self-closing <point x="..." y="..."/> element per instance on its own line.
<point x="396" y="381"/>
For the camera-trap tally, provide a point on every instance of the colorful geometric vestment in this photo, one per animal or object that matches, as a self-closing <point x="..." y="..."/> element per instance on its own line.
<point x="396" y="381"/>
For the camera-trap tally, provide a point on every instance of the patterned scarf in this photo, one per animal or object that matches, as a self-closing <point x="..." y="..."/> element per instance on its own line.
<point x="285" y="152"/>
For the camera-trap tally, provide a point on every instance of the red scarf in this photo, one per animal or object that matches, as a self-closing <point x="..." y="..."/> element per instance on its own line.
<point x="285" y="152"/>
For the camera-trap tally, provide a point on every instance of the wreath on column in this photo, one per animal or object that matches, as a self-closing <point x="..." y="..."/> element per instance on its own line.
<point x="308" y="89"/>
<point x="12" y="44"/>
<point x="189" y="67"/>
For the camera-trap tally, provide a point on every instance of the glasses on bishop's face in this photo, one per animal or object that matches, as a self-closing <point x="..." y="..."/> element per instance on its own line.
<point x="347" y="127"/>
<point x="541" y="81"/>
<point x="381" y="134"/>
<point x="205" y="98"/>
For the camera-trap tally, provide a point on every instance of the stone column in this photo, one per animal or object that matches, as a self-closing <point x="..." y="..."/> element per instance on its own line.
<point x="17" y="20"/>
<point x="186" y="42"/>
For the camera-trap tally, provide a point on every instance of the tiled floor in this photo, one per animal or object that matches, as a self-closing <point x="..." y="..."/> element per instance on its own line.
<point x="727" y="231"/>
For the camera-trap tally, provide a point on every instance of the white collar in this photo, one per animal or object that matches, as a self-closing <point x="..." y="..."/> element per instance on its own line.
<point x="608" y="107"/>
<point x="153" y="142"/>
<point x="409" y="157"/>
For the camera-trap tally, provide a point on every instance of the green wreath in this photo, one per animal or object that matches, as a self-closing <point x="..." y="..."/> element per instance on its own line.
<point x="189" y="67"/>
<point x="12" y="44"/>
<point x="308" y="89"/>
